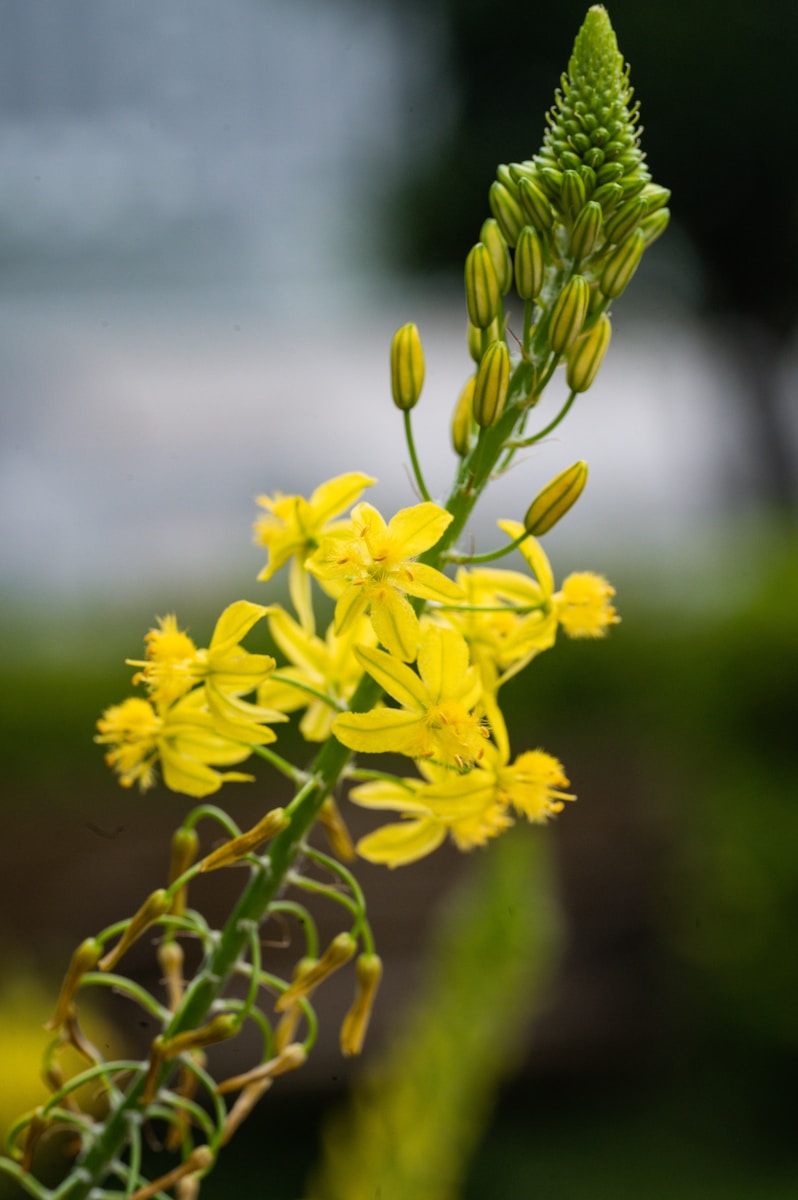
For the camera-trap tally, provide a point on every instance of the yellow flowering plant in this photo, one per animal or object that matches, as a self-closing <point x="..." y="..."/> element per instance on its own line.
<point x="423" y="636"/>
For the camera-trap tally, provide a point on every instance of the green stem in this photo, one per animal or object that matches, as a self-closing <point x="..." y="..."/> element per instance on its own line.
<point x="411" y="446"/>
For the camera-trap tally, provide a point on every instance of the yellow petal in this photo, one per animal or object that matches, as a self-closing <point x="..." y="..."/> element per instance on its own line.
<point x="395" y="623"/>
<point x="337" y="494"/>
<point x="193" y="778"/>
<point x="417" y="528"/>
<point x="396" y="845"/>
<point x="300" y="592"/>
<point x="382" y="794"/>
<point x="418" y="579"/>
<point x="442" y="662"/>
<point x="352" y="603"/>
<point x="534" y="554"/>
<point x="234" y="623"/>
<point x="394" y="677"/>
<point x="377" y="732"/>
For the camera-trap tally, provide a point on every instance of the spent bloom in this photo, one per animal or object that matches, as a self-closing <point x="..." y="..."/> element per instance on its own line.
<point x="292" y="527"/>
<point x="370" y="567"/>
<point x="438" y="719"/>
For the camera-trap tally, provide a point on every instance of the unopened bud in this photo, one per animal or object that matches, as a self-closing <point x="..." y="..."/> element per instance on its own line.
<point x="233" y="851"/>
<point x="507" y="211"/>
<point x="609" y="196"/>
<point x="491" y="236"/>
<point x="586" y="230"/>
<point x="625" y="219"/>
<point x="568" y="314"/>
<point x="490" y="387"/>
<point x="622" y="264"/>
<point x="551" y="182"/>
<point x="609" y="172"/>
<point x="185" y="844"/>
<point x="655" y="196"/>
<point x="535" y="204"/>
<point x="407" y="367"/>
<point x="481" y="286"/>
<point x="655" y="225"/>
<point x="586" y="355"/>
<point x="463" y="419"/>
<point x="218" y="1029"/>
<point x="529" y="265"/>
<point x="337" y="833"/>
<point x="573" y="193"/>
<point x="356" y="1021"/>
<point x="84" y="959"/>
<point x="556" y="498"/>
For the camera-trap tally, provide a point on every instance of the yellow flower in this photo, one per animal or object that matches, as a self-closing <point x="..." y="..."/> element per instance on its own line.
<point x="469" y="821"/>
<point x="183" y="738"/>
<point x="293" y="527"/>
<point x="371" y="567"/>
<point x="326" y="665"/>
<point x="582" y="606"/>
<point x="174" y="665"/>
<point x="437" y="719"/>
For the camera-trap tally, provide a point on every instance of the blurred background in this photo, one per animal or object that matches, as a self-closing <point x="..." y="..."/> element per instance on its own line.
<point x="212" y="220"/>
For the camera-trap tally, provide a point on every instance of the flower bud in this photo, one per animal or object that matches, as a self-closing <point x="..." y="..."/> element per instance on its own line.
<point x="153" y="908"/>
<point x="463" y="419"/>
<point x="490" y="387"/>
<point x="339" y="951"/>
<point x="535" y="205"/>
<point x="353" y="1031"/>
<point x="587" y="354"/>
<point x="586" y="230"/>
<point x="625" y="219"/>
<point x="608" y="196"/>
<point x="573" y="193"/>
<point x="491" y="236"/>
<point x="507" y="211"/>
<point x="407" y="367"/>
<point x="655" y="225"/>
<point x="274" y="822"/>
<point x="529" y="264"/>
<point x="622" y="264"/>
<point x="84" y="959"/>
<point x="655" y="196"/>
<point x="568" y="314"/>
<point x="609" y="172"/>
<point x="556" y="498"/>
<point x="481" y="286"/>
<point x="550" y="182"/>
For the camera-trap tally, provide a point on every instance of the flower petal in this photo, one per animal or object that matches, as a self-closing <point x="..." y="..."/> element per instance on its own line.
<point x="394" y="677"/>
<point x="534" y="554"/>
<point x="442" y="662"/>
<point x="417" y="528"/>
<point x="395" y="622"/>
<point x="403" y="843"/>
<point x="418" y="579"/>
<point x="379" y="731"/>
<point x="234" y="623"/>
<point x="383" y="794"/>
<point x="337" y="494"/>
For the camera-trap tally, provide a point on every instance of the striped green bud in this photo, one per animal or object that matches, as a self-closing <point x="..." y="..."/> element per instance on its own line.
<point x="490" y="387"/>
<point x="407" y="367"/>
<point x="529" y="266"/>
<point x="491" y="236"/>
<point x="481" y="286"/>
<point x="655" y="196"/>
<point x="479" y="339"/>
<point x="586" y="355"/>
<point x="507" y="211"/>
<point x="622" y="264"/>
<point x="625" y="219"/>
<point x="506" y="178"/>
<point x="608" y="196"/>
<point x="535" y="204"/>
<point x="568" y="314"/>
<point x="550" y="180"/>
<point x="586" y="230"/>
<point x="655" y="224"/>
<point x="573" y="193"/>
<point x="556" y="498"/>
<point x="463" y="419"/>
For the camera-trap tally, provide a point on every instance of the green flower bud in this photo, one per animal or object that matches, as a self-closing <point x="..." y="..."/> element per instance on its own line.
<point x="586" y="230"/>
<point x="573" y="193"/>
<point x="556" y="498"/>
<point x="622" y="264"/>
<point x="550" y="181"/>
<point x="568" y="314"/>
<point x="490" y="387"/>
<point x="407" y="367"/>
<point x="491" y="236"/>
<point x="535" y="205"/>
<point x="529" y="266"/>
<point x="587" y="354"/>
<point x="655" y="225"/>
<point x="481" y="286"/>
<point x="504" y="175"/>
<point x="463" y="419"/>
<point x="655" y="196"/>
<point x="608" y="196"/>
<point x="507" y="211"/>
<point x="625" y="219"/>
